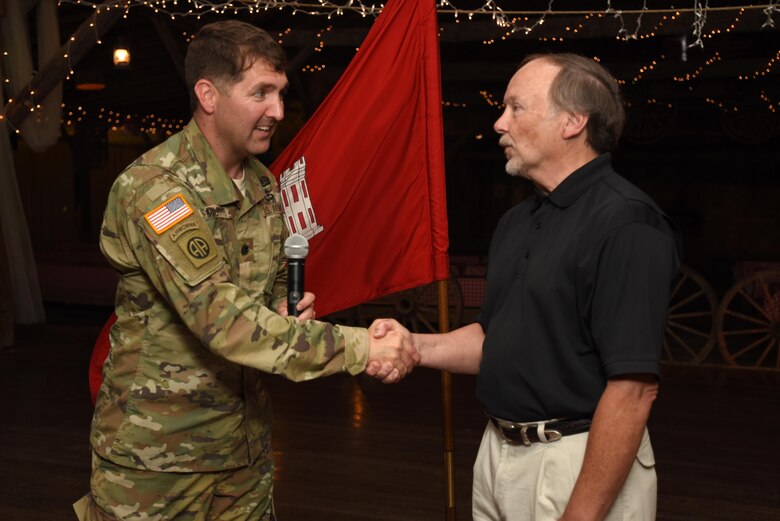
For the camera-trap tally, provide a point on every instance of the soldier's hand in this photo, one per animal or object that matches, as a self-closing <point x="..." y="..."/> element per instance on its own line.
<point x="392" y="354"/>
<point x="305" y="307"/>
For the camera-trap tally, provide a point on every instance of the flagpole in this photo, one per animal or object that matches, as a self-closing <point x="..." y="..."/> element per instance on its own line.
<point x="446" y="396"/>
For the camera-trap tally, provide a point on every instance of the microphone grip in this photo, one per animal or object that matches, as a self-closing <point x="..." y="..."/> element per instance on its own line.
<point x="294" y="285"/>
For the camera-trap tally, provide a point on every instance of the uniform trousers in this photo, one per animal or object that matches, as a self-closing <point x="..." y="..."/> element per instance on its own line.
<point x="121" y="493"/>
<point x="514" y="482"/>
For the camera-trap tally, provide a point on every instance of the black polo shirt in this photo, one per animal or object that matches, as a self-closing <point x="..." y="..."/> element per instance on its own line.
<point x="577" y="288"/>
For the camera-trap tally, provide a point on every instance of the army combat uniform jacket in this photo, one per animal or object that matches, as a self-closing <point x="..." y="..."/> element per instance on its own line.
<point x="201" y="268"/>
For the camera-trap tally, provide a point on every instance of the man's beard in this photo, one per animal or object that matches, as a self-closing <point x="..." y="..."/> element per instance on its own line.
<point x="514" y="165"/>
<point x="515" y="168"/>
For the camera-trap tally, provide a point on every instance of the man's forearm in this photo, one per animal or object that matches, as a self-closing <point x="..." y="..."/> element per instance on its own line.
<point x="458" y="351"/>
<point x="617" y="430"/>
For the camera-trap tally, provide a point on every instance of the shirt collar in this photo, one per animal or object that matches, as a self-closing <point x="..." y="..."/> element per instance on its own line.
<point x="580" y="180"/>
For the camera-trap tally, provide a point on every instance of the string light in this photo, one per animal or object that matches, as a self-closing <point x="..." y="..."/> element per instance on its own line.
<point x="283" y="34"/>
<point x="321" y="43"/>
<point x="731" y="27"/>
<point x="698" y="71"/>
<point x="766" y="69"/>
<point x="148" y="123"/>
<point x="617" y="13"/>
<point x="654" y="31"/>
<point x="490" y="100"/>
<point x="511" y="21"/>
<point x="721" y="105"/>
<point x="646" y="68"/>
<point x="700" y="20"/>
<point x="491" y="8"/>
<point x="771" y="105"/>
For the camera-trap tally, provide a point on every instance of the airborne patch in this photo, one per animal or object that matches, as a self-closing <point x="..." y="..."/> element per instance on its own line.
<point x="169" y="213"/>
<point x="198" y="246"/>
<point x="182" y="228"/>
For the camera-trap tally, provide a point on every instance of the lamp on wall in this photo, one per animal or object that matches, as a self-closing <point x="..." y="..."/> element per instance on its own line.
<point x="121" y="54"/>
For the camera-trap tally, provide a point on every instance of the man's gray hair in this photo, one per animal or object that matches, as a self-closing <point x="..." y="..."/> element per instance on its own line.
<point x="586" y="87"/>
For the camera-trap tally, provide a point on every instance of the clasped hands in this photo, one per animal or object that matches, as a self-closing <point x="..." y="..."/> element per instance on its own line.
<point x="391" y="351"/>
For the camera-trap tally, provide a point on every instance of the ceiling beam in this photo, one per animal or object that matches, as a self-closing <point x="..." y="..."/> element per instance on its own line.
<point x="169" y="42"/>
<point x="60" y="65"/>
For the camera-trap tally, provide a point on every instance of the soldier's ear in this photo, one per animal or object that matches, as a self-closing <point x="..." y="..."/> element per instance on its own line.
<point x="207" y="94"/>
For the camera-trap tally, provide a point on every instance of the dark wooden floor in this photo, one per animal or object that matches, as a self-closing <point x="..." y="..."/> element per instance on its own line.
<point x="349" y="449"/>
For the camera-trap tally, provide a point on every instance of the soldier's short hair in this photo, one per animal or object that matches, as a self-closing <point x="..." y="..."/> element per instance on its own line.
<point x="586" y="87"/>
<point x="222" y="51"/>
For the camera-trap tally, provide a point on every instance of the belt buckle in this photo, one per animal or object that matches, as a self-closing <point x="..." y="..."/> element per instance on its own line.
<point x="545" y="436"/>
<point x="512" y="428"/>
<point x="550" y="436"/>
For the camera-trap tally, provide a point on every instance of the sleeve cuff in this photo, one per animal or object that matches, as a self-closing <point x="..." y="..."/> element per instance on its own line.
<point x="355" y="348"/>
<point x="632" y="367"/>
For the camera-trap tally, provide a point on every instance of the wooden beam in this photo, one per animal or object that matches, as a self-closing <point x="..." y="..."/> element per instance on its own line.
<point x="169" y="42"/>
<point x="60" y="65"/>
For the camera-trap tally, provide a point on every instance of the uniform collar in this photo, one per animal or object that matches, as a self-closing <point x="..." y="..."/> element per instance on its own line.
<point x="580" y="180"/>
<point x="258" y="183"/>
<point x="216" y="179"/>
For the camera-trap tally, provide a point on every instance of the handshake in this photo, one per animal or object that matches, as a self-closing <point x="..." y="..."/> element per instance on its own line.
<point x="391" y="351"/>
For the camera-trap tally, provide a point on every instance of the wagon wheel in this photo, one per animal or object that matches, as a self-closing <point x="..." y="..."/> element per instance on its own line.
<point x="417" y="308"/>
<point x="745" y="117"/>
<point x="751" y="125"/>
<point x="748" y="321"/>
<point x="649" y="119"/>
<point x="690" y="324"/>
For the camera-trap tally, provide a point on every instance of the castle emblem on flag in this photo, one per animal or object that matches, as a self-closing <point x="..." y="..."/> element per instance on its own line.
<point x="298" y="211"/>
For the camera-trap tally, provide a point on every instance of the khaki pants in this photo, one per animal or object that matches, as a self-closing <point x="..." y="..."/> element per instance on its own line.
<point x="120" y="493"/>
<point x="517" y="483"/>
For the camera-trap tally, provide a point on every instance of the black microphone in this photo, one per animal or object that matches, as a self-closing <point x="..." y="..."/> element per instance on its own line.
<point x="296" y="248"/>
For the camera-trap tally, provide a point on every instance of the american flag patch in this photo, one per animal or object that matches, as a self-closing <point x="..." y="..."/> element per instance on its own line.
<point x="169" y="213"/>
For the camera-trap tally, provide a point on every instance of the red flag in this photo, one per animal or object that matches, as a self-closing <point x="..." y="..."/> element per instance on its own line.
<point x="363" y="180"/>
<point x="99" y="355"/>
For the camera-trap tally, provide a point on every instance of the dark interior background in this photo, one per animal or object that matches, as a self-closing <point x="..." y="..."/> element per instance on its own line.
<point x="701" y="137"/>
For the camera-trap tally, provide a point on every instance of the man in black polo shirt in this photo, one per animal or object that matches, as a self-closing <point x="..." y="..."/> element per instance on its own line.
<point x="568" y="341"/>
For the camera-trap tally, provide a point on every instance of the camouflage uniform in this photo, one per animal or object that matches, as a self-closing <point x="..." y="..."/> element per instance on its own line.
<point x="201" y="270"/>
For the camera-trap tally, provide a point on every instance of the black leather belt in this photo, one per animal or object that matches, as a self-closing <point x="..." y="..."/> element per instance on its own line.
<point x="543" y="432"/>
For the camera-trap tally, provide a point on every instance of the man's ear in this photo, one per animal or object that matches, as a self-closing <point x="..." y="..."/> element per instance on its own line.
<point x="574" y="124"/>
<point x="207" y="95"/>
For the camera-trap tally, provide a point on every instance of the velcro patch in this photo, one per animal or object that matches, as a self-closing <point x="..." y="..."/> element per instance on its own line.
<point x="271" y="209"/>
<point x="198" y="247"/>
<point x="216" y="212"/>
<point x="172" y="211"/>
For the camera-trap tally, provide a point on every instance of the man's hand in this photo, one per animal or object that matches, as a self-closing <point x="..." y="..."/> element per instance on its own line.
<point x="391" y="354"/>
<point x="305" y="306"/>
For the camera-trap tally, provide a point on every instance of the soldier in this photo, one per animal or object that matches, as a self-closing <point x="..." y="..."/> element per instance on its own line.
<point x="194" y="227"/>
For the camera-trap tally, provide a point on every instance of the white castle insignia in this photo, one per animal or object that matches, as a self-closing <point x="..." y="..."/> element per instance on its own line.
<point x="298" y="212"/>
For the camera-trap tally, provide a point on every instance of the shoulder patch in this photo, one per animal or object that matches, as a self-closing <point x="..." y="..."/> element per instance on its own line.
<point x="198" y="247"/>
<point x="169" y="213"/>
